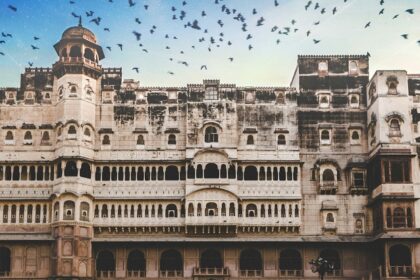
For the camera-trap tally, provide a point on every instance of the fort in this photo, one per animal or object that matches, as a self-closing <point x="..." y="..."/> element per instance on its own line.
<point x="101" y="178"/>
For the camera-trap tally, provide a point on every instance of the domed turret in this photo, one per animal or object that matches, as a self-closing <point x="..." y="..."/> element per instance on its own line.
<point x="78" y="52"/>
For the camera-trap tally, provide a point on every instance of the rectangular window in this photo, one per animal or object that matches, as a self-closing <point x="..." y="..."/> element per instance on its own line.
<point x="211" y="93"/>
<point x="396" y="171"/>
<point x="358" y="180"/>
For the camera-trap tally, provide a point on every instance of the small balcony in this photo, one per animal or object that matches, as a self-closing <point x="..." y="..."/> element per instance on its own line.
<point x="400" y="271"/>
<point x="210" y="271"/>
<point x="328" y="187"/>
<point x="105" y="274"/>
<point x="290" y="273"/>
<point x="358" y="190"/>
<point x="170" y="273"/>
<point x="250" y="273"/>
<point x="135" y="274"/>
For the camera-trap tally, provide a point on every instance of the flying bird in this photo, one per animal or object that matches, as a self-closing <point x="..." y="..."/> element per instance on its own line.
<point x="171" y="73"/>
<point x="36" y="38"/>
<point x="316" y="6"/>
<point x="13" y="8"/>
<point x="30" y="64"/>
<point x="316" y="41"/>
<point x="2" y="41"/>
<point x="231" y="59"/>
<point x="97" y="20"/>
<point x="106" y="29"/>
<point x="146" y="7"/>
<point x="381" y="12"/>
<point x="137" y="34"/>
<point x="250" y="47"/>
<point x="254" y="11"/>
<point x="276" y="3"/>
<point x="203" y="67"/>
<point x="382" y="2"/>
<point x="75" y="15"/>
<point x="260" y="22"/>
<point x="410" y="11"/>
<point x="317" y="23"/>
<point x="334" y="10"/>
<point x="307" y="5"/>
<point x="121" y="46"/>
<point x="203" y="13"/>
<point x="395" y="16"/>
<point x="34" y="47"/>
<point x="109" y="48"/>
<point x="405" y="36"/>
<point x="131" y="3"/>
<point x="138" y="20"/>
<point x="2" y="53"/>
<point x="89" y="14"/>
<point x="135" y="69"/>
<point x="367" y="24"/>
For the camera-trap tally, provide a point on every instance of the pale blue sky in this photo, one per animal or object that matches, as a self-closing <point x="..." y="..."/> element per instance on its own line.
<point x="268" y="63"/>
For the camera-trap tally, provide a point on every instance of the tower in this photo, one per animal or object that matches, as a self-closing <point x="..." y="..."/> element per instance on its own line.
<point x="77" y="86"/>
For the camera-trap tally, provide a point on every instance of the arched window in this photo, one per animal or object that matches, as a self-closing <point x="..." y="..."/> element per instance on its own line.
<point x="281" y="139"/>
<point x="45" y="137"/>
<point x="73" y="89"/>
<point x="64" y="52"/>
<point x="71" y="169"/>
<point x="85" y="170"/>
<point x="330" y="218"/>
<point x="28" y="135"/>
<point x="140" y="140"/>
<point x="89" y="54"/>
<point x="394" y="127"/>
<point x="106" y="140"/>
<point x="388" y="218"/>
<point x="400" y="261"/>
<point x="354" y="100"/>
<point x="250" y="140"/>
<point x="75" y="51"/>
<point x="72" y="130"/>
<point x="171" y="139"/>
<point x="290" y="262"/>
<point x="211" y="135"/>
<point x="325" y="135"/>
<point x="87" y="132"/>
<point x="328" y="175"/>
<point x="250" y="263"/>
<point x="211" y="209"/>
<point x="353" y="69"/>
<point x="355" y="136"/>
<point x="84" y="211"/>
<point x="332" y="257"/>
<point x="323" y="100"/>
<point x="211" y="258"/>
<point x="68" y="210"/>
<point x="171" y="173"/>
<point x="171" y="211"/>
<point x="191" y="172"/>
<point x="5" y="261"/>
<point x="251" y="173"/>
<point x="9" y="135"/>
<point x="171" y="263"/>
<point x="136" y="264"/>
<point x="323" y="66"/>
<point x="211" y="171"/>
<point x="392" y="83"/>
<point x="398" y="218"/>
<point x="251" y="210"/>
<point x="105" y="264"/>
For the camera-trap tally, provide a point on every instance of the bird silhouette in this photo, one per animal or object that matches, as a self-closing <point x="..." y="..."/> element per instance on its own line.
<point x="146" y="7"/>
<point x="278" y="41"/>
<point x="75" y="15"/>
<point x="307" y="33"/>
<point x="135" y="69"/>
<point x="34" y="47"/>
<point x="97" y="20"/>
<point x="195" y="25"/>
<point x="231" y="59"/>
<point x="316" y="41"/>
<point x="13" y="8"/>
<point x="368" y="54"/>
<point x="184" y="3"/>
<point x="138" y="20"/>
<point x="173" y="9"/>
<point x="317" y="23"/>
<point x="36" y="38"/>
<point x="107" y="29"/>
<point x="382" y="2"/>
<point x="410" y="11"/>
<point x="334" y="10"/>
<point x="30" y="64"/>
<point x="308" y="5"/>
<point x="254" y="11"/>
<point x="2" y="53"/>
<point x="250" y="47"/>
<point x="405" y="36"/>
<point x="89" y="13"/>
<point x="131" y="3"/>
<point x="109" y="48"/>
<point x="203" y="14"/>
<point x="137" y="34"/>
<point x="276" y="3"/>
<point x="220" y="23"/>
<point x="323" y="11"/>
<point x="120" y="46"/>
<point x="381" y="12"/>
<point x="367" y="24"/>
<point x="394" y="17"/>
<point x="316" y="6"/>
<point x="2" y="41"/>
<point x="260" y="22"/>
<point x="203" y="67"/>
<point x="249" y="37"/>
<point x="171" y="73"/>
<point x="145" y="50"/>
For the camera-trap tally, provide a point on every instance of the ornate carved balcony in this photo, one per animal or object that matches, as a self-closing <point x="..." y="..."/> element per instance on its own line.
<point x="170" y="273"/>
<point x="250" y="273"/>
<point x="400" y="271"/>
<point x="357" y="190"/>
<point x="134" y="274"/>
<point x="328" y="187"/>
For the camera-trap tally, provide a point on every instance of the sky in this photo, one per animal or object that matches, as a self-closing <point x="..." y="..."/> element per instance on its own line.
<point x="270" y="62"/>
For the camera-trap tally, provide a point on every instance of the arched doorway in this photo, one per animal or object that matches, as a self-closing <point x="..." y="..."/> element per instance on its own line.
<point x="400" y="261"/>
<point x="136" y="264"/>
<point x="211" y="171"/>
<point x="250" y="263"/>
<point x="211" y="259"/>
<point x="171" y="264"/>
<point x="334" y="259"/>
<point x="290" y="263"/>
<point x="105" y="264"/>
<point x="4" y="261"/>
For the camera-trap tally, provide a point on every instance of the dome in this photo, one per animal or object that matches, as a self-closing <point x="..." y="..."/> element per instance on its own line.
<point x="79" y="32"/>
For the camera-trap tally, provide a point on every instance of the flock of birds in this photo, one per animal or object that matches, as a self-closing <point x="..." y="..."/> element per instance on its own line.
<point x="210" y="40"/>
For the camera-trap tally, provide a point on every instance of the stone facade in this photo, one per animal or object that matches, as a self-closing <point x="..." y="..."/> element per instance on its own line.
<point x="101" y="178"/>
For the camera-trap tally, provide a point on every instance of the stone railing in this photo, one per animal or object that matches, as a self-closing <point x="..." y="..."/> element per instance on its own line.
<point x="290" y="273"/>
<point x="105" y="274"/>
<point x="222" y="271"/>
<point x="136" y="274"/>
<point x="400" y="270"/>
<point x="170" y="273"/>
<point x="250" y="273"/>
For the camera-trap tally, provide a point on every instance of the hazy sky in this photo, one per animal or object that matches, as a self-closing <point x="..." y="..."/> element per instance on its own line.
<point x="268" y="63"/>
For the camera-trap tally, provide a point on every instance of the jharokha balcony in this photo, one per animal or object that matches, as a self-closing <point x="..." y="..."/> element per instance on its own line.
<point x="328" y="187"/>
